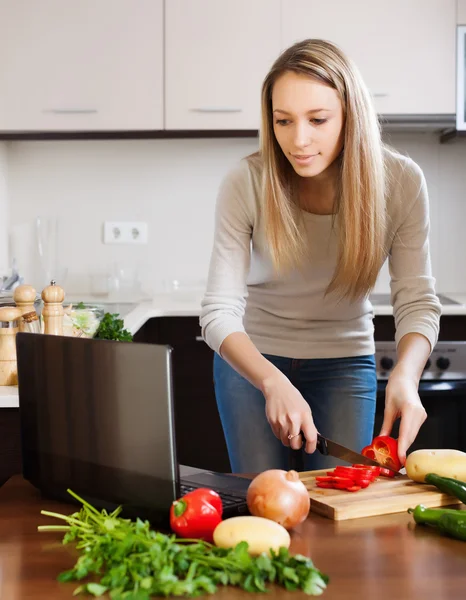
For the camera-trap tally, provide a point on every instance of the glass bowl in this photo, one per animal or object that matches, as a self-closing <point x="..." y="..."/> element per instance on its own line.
<point x="82" y="320"/>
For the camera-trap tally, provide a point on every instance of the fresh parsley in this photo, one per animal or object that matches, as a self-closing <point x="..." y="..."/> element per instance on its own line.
<point x="111" y="328"/>
<point x="133" y="562"/>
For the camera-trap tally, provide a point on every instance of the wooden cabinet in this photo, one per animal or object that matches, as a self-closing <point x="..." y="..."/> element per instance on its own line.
<point x="199" y="435"/>
<point x="404" y="50"/>
<point x="10" y="444"/>
<point x="217" y="52"/>
<point x="69" y="65"/>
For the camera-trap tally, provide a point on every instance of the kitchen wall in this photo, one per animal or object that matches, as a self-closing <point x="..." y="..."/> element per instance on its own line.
<point x="172" y="185"/>
<point x="3" y="210"/>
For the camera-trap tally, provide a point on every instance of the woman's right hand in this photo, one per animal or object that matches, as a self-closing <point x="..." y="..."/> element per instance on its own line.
<point x="288" y="413"/>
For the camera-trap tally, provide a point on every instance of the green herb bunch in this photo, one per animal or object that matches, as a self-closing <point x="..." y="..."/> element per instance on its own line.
<point x="133" y="562"/>
<point x="111" y="328"/>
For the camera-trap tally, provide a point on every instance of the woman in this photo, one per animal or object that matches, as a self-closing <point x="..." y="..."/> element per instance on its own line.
<point x="302" y="230"/>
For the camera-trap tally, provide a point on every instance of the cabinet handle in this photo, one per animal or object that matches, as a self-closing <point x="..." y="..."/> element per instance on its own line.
<point x="70" y="111"/>
<point x="199" y="338"/>
<point x="380" y="95"/>
<point x="216" y="109"/>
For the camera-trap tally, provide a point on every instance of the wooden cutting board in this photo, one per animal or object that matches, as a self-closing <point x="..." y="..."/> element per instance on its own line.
<point x="383" y="496"/>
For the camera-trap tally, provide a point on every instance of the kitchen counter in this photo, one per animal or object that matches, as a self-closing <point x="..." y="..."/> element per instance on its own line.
<point x="187" y="304"/>
<point x="382" y="557"/>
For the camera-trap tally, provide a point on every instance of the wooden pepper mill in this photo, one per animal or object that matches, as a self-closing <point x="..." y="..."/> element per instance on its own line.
<point x="9" y="327"/>
<point x="52" y="312"/>
<point x="24" y="297"/>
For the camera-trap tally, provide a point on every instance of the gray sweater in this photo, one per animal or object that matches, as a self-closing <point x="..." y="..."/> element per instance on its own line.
<point x="289" y="316"/>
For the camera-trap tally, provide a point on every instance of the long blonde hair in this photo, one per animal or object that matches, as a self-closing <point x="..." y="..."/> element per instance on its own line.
<point x="361" y="201"/>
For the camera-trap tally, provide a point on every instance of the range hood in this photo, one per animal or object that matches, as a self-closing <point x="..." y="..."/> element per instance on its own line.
<point x="418" y="123"/>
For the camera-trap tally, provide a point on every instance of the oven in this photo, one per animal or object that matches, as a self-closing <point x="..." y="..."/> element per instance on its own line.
<point x="442" y="390"/>
<point x="442" y="387"/>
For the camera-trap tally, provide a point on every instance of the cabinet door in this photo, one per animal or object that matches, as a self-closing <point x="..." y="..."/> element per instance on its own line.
<point x="405" y="50"/>
<point x="198" y="430"/>
<point x="68" y="65"/>
<point x="217" y="53"/>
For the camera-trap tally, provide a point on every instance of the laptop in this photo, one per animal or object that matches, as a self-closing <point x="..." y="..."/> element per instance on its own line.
<point x="97" y="417"/>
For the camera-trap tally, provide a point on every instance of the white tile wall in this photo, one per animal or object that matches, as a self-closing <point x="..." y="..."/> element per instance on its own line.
<point x="172" y="184"/>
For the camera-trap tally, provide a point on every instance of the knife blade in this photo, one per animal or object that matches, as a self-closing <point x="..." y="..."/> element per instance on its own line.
<point x="331" y="448"/>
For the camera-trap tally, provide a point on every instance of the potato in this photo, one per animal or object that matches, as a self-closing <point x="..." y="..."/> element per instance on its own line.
<point x="261" y="534"/>
<point x="446" y="463"/>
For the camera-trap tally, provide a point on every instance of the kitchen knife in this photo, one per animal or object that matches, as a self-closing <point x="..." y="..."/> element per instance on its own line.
<point x="330" y="448"/>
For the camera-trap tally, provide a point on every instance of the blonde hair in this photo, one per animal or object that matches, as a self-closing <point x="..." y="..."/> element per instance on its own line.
<point x="361" y="199"/>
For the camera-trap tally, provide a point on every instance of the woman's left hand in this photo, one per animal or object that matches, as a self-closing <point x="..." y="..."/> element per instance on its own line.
<point x="402" y="400"/>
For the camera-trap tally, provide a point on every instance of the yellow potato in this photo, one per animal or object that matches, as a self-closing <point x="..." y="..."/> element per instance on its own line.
<point x="261" y="534"/>
<point x="446" y="463"/>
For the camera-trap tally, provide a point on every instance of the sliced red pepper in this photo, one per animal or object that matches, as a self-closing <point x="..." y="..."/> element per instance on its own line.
<point x="384" y="449"/>
<point x="354" y="488"/>
<point x="326" y="485"/>
<point x="355" y="473"/>
<point x="387" y="473"/>
<point x="196" y="514"/>
<point x="335" y="479"/>
<point x="375" y="470"/>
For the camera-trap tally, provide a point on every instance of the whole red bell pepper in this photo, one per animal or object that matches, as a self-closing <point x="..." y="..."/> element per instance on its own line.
<point x="384" y="449"/>
<point x="196" y="514"/>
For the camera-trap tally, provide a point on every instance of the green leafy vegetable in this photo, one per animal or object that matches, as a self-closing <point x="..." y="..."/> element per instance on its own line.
<point x="111" y="328"/>
<point x="134" y="562"/>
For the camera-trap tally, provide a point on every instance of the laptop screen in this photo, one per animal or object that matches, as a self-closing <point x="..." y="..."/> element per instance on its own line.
<point x="97" y="417"/>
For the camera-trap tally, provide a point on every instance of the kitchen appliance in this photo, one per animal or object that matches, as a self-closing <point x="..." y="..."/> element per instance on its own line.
<point x="461" y="78"/>
<point x="383" y="496"/>
<point x="442" y="390"/>
<point x="97" y="416"/>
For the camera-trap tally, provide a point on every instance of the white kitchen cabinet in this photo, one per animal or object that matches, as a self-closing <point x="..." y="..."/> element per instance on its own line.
<point x="405" y="49"/>
<point x="461" y="12"/>
<point x="217" y="53"/>
<point x="74" y="65"/>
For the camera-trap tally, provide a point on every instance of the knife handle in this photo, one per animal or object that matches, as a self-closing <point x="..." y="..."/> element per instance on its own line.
<point x="296" y="457"/>
<point x="322" y="445"/>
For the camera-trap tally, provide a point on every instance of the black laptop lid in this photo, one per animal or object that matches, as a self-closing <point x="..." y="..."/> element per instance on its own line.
<point x="97" y="417"/>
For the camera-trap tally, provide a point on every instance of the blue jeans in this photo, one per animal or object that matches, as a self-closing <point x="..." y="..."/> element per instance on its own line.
<point x="340" y="391"/>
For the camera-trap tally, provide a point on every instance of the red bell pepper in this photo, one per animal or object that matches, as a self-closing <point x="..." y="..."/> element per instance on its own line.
<point x="196" y="514"/>
<point x="384" y="449"/>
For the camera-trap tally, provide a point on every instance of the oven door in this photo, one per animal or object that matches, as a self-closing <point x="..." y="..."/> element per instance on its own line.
<point x="445" y="404"/>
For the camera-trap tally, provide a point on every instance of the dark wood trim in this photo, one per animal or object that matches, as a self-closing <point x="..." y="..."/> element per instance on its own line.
<point x="127" y="135"/>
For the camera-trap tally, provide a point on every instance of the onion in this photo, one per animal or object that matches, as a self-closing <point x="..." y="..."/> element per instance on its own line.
<point x="279" y="496"/>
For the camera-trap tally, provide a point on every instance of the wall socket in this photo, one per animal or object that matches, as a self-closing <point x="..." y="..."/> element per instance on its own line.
<point x="125" y="232"/>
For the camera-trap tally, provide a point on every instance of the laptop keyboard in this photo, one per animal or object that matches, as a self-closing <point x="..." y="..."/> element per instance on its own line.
<point x="227" y="499"/>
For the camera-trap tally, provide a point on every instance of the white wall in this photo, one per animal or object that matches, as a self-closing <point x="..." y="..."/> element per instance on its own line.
<point x="4" y="262"/>
<point x="172" y="184"/>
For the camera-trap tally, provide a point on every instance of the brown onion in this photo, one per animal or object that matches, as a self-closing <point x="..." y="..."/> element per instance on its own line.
<point x="280" y="496"/>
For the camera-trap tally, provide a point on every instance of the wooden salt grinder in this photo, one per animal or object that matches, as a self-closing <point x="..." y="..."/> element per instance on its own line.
<point x="9" y="327"/>
<point x="52" y="312"/>
<point x="24" y="297"/>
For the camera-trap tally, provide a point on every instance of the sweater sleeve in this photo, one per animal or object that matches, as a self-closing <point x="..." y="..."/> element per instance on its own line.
<point x="416" y="307"/>
<point x="224" y="302"/>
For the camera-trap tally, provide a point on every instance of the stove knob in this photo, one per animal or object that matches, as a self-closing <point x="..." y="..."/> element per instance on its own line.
<point x="427" y="365"/>
<point x="386" y="363"/>
<point x="443" y="363"/>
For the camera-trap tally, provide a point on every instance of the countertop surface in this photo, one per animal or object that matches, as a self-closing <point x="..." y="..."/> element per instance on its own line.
<point x="188" y="304"/>
<point x="379" y="558"/>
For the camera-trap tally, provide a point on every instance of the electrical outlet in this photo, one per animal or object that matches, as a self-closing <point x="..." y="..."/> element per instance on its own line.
<point x="125" y="232"/>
